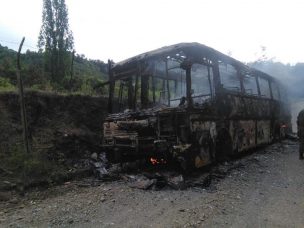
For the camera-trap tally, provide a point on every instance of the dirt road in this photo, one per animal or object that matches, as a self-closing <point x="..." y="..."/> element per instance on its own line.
<point x="265" y="189"/>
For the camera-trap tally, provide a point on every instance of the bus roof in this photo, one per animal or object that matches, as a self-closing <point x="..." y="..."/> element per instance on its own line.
<point x="191" y="51"/>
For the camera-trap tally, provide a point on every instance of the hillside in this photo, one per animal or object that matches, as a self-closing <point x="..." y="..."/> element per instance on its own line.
<point x="64" y="130"/>
<point x="88" y="74"/>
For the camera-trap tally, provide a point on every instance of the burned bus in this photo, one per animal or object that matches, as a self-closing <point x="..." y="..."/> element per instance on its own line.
<point x="191" y="104"/>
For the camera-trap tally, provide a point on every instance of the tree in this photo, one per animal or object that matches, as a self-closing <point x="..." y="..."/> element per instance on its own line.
<point x="55" y="39"/>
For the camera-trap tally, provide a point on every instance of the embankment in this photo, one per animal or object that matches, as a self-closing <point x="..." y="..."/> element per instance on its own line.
<point x="63" y="129"/>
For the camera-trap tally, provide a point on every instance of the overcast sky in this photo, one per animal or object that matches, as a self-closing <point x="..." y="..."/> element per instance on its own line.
<point x="119" y="29"/>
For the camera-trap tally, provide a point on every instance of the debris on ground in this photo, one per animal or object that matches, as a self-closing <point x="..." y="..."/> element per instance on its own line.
<point x="292" y="136"/>
<point x="144" y="183"/>
<point x="99" y="164"/>
<point x="257" y="184"/>
<point x="177" y="182"/>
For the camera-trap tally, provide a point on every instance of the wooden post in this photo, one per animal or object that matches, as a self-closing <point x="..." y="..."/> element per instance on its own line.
<point x="72" y="70"/>
<point x="21" y="100"/>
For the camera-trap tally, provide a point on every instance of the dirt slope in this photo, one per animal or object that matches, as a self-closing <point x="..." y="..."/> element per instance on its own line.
<point x="63" y="129"/>
<point x="264" y="189"/>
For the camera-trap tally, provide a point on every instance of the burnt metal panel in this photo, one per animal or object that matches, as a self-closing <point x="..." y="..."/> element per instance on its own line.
<point x="226" y="121"/>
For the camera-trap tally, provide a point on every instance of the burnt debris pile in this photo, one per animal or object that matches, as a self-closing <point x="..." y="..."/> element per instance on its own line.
<point x="148" y="176"/>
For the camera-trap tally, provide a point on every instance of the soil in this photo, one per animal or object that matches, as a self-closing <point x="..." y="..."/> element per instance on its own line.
<point x="64" y="130"/>
<point x="263" y="189"/>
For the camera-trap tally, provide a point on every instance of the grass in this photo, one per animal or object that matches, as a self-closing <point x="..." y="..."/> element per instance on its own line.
<point x="28" y="168"/>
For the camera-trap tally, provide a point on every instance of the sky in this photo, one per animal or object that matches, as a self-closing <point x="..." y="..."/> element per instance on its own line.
<point x="119" y="29"/>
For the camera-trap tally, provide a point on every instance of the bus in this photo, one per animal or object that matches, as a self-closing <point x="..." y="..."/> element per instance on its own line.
<point x="191" y="104"/>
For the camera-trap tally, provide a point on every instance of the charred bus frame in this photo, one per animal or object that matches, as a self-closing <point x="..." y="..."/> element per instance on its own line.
<point x="190" y="103"/>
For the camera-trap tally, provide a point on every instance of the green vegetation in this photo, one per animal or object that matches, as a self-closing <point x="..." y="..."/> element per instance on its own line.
<point x="87" y="77"/>
<point x="5" y="85"/>
<point x="56" y="40"/>
<point x="55" y="67"/>
<point x="28" y="168"/>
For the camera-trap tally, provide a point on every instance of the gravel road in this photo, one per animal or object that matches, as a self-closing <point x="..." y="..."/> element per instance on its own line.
<point x="264" y="189"/>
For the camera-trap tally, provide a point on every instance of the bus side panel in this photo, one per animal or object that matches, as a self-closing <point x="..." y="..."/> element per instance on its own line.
<point x="250" y="121"/>
<point x="243" y="134"/>
<point x="263" y="132"/>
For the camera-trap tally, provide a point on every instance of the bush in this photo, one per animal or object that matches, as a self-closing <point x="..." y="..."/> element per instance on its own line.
<point x="33" y="166"/>
<point x="45" y="86"/>
<point x="6" y="85"/>
<point x="37" y="168"/>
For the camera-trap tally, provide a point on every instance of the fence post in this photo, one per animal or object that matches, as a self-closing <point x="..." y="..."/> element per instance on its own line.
<point x="21" y="101"/>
